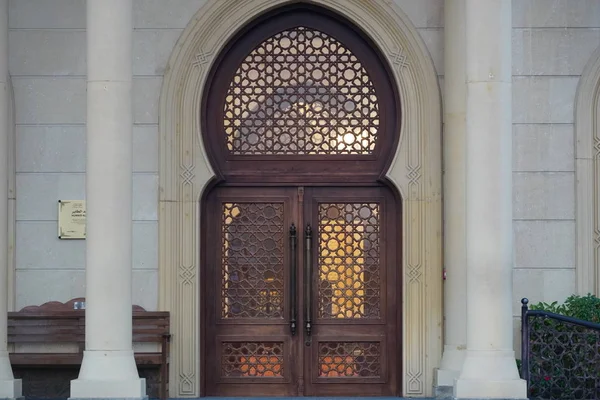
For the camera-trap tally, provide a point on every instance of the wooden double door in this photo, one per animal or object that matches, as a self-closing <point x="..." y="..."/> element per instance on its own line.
<point x="302" y="290"/>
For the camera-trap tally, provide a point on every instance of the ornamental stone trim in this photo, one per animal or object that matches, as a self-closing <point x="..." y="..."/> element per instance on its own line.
<point x="415" y="171"/>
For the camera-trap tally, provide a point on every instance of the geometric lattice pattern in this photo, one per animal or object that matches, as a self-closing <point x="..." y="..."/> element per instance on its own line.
<point x="564" y="360"/>
<point x="349" y="359"/>
<point x="252" y="359"/>
<point x="252" y="275"/>
<point x="349" y="260"/>
<point x="301" y="92"/>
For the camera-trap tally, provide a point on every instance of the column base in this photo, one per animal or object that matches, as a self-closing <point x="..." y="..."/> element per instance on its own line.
<point x="490" y="389"/>
<point x="450" y="366"/>
<point x="10" y="388"/>
<point x="108" y="389"/>
<point x="108" y="375"/>
<point x="490" y="375"/>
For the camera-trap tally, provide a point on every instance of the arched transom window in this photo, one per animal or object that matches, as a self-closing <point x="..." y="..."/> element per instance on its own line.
<point x="300" y="93"/>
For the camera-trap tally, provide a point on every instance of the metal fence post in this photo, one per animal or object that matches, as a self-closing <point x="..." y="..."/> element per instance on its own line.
<point x="525" y="341"/>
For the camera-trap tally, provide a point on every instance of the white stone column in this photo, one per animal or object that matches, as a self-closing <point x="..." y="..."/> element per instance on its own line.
<point x="108" y="369"/>
<point x="10" y="387"/>
<point x="455" y="285"/>
<point x="489" y="369"/>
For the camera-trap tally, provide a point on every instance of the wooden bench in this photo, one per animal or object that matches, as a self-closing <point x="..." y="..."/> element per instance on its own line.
<point x="59" y="324"/>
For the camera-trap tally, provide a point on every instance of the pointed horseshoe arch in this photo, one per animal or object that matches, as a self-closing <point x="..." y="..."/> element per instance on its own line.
<point x="415" y="170"/>
<point x="587" y="178"/>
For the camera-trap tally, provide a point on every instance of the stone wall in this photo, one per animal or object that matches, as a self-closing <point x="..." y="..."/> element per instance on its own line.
<point x="552" y="41"/>
<point x="48" y="66"/>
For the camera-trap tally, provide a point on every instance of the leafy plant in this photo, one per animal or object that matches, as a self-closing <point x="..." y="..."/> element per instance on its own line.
<point x="586" y="307"/>
<point x="551" y="307"/>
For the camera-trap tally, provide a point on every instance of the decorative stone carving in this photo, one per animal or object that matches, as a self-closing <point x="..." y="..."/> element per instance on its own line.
<point x="12" y="195"/>
<point x="416" y="172"/>
<point x="587" y="178"/>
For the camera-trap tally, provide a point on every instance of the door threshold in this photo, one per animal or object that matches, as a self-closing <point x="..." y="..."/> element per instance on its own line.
<point x="317" y="398"/>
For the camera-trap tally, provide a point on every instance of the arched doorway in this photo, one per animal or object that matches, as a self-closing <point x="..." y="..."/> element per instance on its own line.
<point x="302" y="286"/>
<point x="186" y="175"/>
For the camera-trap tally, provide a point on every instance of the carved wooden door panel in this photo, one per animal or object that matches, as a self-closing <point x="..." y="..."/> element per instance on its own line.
<point x="249" y="349"/>
<point x="354" y="338"/>
<point x="296" y="311"/>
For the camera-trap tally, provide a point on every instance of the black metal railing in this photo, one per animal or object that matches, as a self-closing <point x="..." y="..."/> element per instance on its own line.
<point x="560" y="356"/>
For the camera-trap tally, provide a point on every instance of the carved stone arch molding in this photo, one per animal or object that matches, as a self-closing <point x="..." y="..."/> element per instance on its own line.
<point x="587" y="178"/>
<point x="415" y="171"/>
<point x="12" y="197"/>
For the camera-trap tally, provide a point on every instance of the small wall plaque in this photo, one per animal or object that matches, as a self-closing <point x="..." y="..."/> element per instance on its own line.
<point x="71" y="219"/>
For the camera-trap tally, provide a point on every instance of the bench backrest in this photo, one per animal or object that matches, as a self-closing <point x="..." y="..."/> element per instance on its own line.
<point x="150" y="326"/>
<point x="56" y="322"/>
<point x="46" y="327"/>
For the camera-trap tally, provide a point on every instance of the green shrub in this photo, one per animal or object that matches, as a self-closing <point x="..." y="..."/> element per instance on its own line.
<point x="586" y="308"/>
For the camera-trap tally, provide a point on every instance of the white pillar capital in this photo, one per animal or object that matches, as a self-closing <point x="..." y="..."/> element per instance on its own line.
<point x="10" y="387"/>
<point x="489" y="369"/>
<point x="108" y="369"/>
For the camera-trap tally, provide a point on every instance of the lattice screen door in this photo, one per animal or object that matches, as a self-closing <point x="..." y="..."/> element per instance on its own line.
<point x="302" y="292"/>
<point x="300" y="268"/>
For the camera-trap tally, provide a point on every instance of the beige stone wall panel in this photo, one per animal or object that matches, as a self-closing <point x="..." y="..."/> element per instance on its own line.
<point x="415" y="171"/>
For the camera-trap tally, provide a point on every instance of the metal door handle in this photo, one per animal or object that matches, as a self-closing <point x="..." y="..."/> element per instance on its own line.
<point x="308" y="282"/>
<point x="293" y="260"/>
